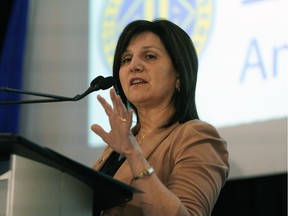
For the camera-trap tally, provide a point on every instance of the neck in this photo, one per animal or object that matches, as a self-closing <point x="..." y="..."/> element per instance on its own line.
<point x="153" y="120"/>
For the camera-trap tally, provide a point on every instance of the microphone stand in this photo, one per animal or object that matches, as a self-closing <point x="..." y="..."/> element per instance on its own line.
<point x="53" y="98"/>
<point x="99" y="83"/>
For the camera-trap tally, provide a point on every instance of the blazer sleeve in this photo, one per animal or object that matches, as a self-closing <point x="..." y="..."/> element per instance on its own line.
<point x="200" y="166"/>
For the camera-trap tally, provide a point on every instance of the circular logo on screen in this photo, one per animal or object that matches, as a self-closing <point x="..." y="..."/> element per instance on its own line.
<point x="194" y="16"/>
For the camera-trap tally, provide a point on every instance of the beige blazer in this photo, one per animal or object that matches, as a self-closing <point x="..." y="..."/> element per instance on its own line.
<point x="190" y="159"/>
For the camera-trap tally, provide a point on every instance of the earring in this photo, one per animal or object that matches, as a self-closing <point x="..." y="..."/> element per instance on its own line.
<point x="177" y="84"/>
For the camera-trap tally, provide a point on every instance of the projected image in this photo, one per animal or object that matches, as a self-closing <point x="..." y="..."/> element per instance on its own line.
<point x="242" y="48"/>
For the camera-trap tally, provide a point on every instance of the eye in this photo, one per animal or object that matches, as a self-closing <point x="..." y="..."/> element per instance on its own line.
<point x="125" y="59"/>
<point x="150" y="56"/>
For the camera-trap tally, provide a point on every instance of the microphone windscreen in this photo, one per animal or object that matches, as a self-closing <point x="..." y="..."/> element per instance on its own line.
<point x="96" y="81"/>
<point x="107" y="83"/>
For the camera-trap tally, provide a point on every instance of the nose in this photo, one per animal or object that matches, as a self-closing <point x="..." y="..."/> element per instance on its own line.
<point x="136" y="65"/>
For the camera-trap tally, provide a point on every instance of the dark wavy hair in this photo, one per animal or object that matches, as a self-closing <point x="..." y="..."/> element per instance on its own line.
<point x="183" y="55"/>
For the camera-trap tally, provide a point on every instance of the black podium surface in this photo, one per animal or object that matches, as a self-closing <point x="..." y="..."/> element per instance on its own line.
<point x="108" y="192"/>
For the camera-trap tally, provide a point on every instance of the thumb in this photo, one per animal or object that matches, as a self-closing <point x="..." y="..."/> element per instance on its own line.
<point x="97" y="129"/>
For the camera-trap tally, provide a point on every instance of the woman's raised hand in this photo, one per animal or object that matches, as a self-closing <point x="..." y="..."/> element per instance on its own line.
<point x="119" y="138"/>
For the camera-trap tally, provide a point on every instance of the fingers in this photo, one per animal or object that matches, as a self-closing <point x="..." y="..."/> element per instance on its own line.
<point x="120" y="122"/>
<point x="100" y="132"/>
<point x="118" y="106"/>
<point x="107" y="107"/>
<point x="117" y="113"/>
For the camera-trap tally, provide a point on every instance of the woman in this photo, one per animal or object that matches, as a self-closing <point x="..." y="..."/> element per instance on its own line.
<point x="179" y="162"/>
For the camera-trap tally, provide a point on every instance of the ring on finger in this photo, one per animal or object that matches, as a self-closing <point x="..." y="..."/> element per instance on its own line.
<point x="123" y="119"/>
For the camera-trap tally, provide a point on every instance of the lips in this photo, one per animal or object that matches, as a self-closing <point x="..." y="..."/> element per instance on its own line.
<point x="136" y="81"/>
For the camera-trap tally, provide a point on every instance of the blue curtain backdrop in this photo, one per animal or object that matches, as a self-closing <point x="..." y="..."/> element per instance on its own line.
<point x="12" y="45"/>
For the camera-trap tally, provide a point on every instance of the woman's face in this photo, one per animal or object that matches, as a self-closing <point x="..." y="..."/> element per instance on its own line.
<point x="146" y="74"/>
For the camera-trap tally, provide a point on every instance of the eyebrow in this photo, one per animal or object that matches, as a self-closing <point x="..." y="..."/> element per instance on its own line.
<point x="145" y="48"/>
<point x="151" y="46"/>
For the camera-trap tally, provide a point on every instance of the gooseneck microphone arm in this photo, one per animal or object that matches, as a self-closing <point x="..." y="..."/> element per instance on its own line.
<point x="6" y="89"/>
<point x="99" y="83"/>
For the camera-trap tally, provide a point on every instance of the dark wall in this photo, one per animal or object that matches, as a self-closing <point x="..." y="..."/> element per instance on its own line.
<point x="5" y="9"/>
<point x="259" y="196"/>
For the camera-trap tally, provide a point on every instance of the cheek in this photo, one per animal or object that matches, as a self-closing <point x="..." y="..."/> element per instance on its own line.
<point x="168" y="77"/>
<point x="170" y="83"/>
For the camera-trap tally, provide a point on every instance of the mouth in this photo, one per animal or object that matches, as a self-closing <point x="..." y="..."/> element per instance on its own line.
<point x="137" y="81"/>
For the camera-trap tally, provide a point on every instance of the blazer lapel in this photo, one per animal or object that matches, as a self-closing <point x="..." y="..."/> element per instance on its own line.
<point x="152" y="142"/>
<point x="148" y="146"/>
<point x="103" y="158"/>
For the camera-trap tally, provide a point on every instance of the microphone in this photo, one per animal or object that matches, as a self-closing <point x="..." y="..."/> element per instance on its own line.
<point x="99" y="83"/>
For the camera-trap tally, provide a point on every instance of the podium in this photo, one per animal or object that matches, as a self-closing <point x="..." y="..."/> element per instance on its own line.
<point x="37" y="181"/>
